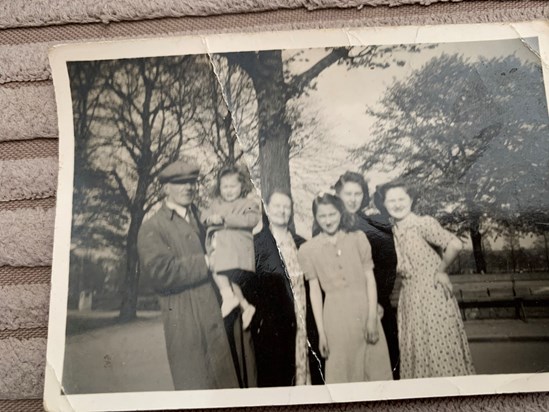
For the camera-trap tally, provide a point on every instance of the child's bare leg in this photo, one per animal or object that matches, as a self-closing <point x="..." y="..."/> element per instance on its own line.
<point x="229" y="299"/>
<point x="222" y="282"/>
<point x="248" y="310"/>
<point x="238" y="293"/>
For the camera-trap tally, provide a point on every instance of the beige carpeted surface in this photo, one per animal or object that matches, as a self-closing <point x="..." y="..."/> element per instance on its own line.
<point x="20" y="13"/>
<point x="28" y="178"/>
<point x="28" y="145"/>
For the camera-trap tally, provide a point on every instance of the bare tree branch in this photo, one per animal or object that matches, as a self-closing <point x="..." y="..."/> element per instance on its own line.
<point x="298" y="83"/>
<point x="122" y="188"/>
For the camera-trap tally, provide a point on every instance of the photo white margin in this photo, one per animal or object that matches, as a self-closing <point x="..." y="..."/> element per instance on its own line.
<point x="217" y="43"/>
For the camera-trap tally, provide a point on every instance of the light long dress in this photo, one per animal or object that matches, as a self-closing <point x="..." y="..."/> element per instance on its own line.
<point x="288" y="250"/>
<point x="340" y="268"/>
<point x="431" y="335"/>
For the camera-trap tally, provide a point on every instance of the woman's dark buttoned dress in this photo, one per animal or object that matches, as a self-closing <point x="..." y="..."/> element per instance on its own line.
<point x="378" y="230"/>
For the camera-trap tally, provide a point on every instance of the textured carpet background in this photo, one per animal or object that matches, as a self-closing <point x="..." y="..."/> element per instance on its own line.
<point x="28" y="144"/>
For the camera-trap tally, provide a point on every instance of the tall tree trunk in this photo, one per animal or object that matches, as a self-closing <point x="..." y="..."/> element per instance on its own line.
<point x="128" y="308"/>
<point x="512" y="240"/>
<point x="476" y="239"/>
<point x="274" y="129"/>
<point x="546" y="250"/>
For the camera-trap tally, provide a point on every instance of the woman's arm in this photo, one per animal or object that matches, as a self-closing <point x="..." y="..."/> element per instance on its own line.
<point x="371" y="322"/>
<point x="316" y="303"/>
<point x="365" y="252"/>
<point x="432" y="231"/>
<point x="450" y="253"/>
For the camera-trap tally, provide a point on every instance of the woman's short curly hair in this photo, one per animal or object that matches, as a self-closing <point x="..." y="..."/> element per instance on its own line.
<point x="381" y="193"/>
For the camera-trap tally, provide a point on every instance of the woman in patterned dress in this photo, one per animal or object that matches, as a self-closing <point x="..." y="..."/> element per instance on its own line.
<point x="279" y="210"/>
<point x="431" y="335"/>
<point x="339" y="261"/>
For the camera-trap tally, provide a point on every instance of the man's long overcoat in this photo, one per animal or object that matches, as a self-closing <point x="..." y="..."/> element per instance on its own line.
<point x="171" y="253"/>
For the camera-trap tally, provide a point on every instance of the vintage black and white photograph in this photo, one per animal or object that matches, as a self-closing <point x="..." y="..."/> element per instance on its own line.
<point x="301" y="217"/>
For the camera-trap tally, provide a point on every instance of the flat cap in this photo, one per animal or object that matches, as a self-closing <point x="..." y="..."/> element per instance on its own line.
<point x="179" y="171"/>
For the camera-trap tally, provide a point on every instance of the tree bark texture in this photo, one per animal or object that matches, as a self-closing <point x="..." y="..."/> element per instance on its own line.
<point x="274" y="130"/>
<point x="476" y="240"/>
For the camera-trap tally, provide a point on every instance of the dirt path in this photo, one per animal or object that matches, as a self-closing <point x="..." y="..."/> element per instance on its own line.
<point x="132" y="357"/>
<point x="120" y="358"/>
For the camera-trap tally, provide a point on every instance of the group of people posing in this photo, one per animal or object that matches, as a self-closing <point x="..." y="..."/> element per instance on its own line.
<point x="245" y="308"/>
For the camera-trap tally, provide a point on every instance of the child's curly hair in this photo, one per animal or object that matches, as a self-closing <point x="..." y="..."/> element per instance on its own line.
<point x="243" y="176"/>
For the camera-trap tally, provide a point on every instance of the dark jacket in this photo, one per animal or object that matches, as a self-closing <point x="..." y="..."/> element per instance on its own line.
<point x="379" y="233"/>
<point x="274" y="323"/>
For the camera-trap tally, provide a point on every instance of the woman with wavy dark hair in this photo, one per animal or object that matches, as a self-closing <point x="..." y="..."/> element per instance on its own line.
<point x="352" y="189"/>
<point x="431" y="334"/>
<point x="338" y="261"/>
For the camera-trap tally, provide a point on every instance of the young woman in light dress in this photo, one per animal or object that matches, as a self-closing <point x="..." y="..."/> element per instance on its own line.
<point x="339" y="262"/>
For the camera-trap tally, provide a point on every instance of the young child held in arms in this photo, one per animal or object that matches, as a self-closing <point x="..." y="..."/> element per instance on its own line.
<point x="233" y="214"/>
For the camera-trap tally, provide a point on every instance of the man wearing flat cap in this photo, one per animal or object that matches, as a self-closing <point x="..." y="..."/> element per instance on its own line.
<point x="171" y="253"/>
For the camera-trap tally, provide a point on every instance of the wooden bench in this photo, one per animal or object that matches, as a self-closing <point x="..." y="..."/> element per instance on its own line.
<point x="497" y="290"/>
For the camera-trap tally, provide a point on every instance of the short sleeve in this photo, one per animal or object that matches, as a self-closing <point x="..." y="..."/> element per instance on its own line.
<point x="364" y="250"/>
<point x="432" y="231"/>
<point x="306" y="263"/>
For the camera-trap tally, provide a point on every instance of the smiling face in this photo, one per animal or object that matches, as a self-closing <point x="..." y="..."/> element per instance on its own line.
<point x="351" y="194"/>
<point x="181" y="194"/>
<point x="279" y="209"/>
<point x="398" y="203"/>
<point x="328" y="218"/>
<point x="230" y="187"/>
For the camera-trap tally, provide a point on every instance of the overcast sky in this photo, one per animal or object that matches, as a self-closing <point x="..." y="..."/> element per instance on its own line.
<point x="342" y="95"/>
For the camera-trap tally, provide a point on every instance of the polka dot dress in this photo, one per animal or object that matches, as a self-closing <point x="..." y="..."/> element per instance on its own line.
<point x="432" y="339"/>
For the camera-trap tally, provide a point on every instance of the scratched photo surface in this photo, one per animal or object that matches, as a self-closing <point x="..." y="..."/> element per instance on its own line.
<point x="307" y="217"/>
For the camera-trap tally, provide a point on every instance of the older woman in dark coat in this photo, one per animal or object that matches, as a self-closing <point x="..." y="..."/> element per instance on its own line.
<point x="280" y="361"/>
